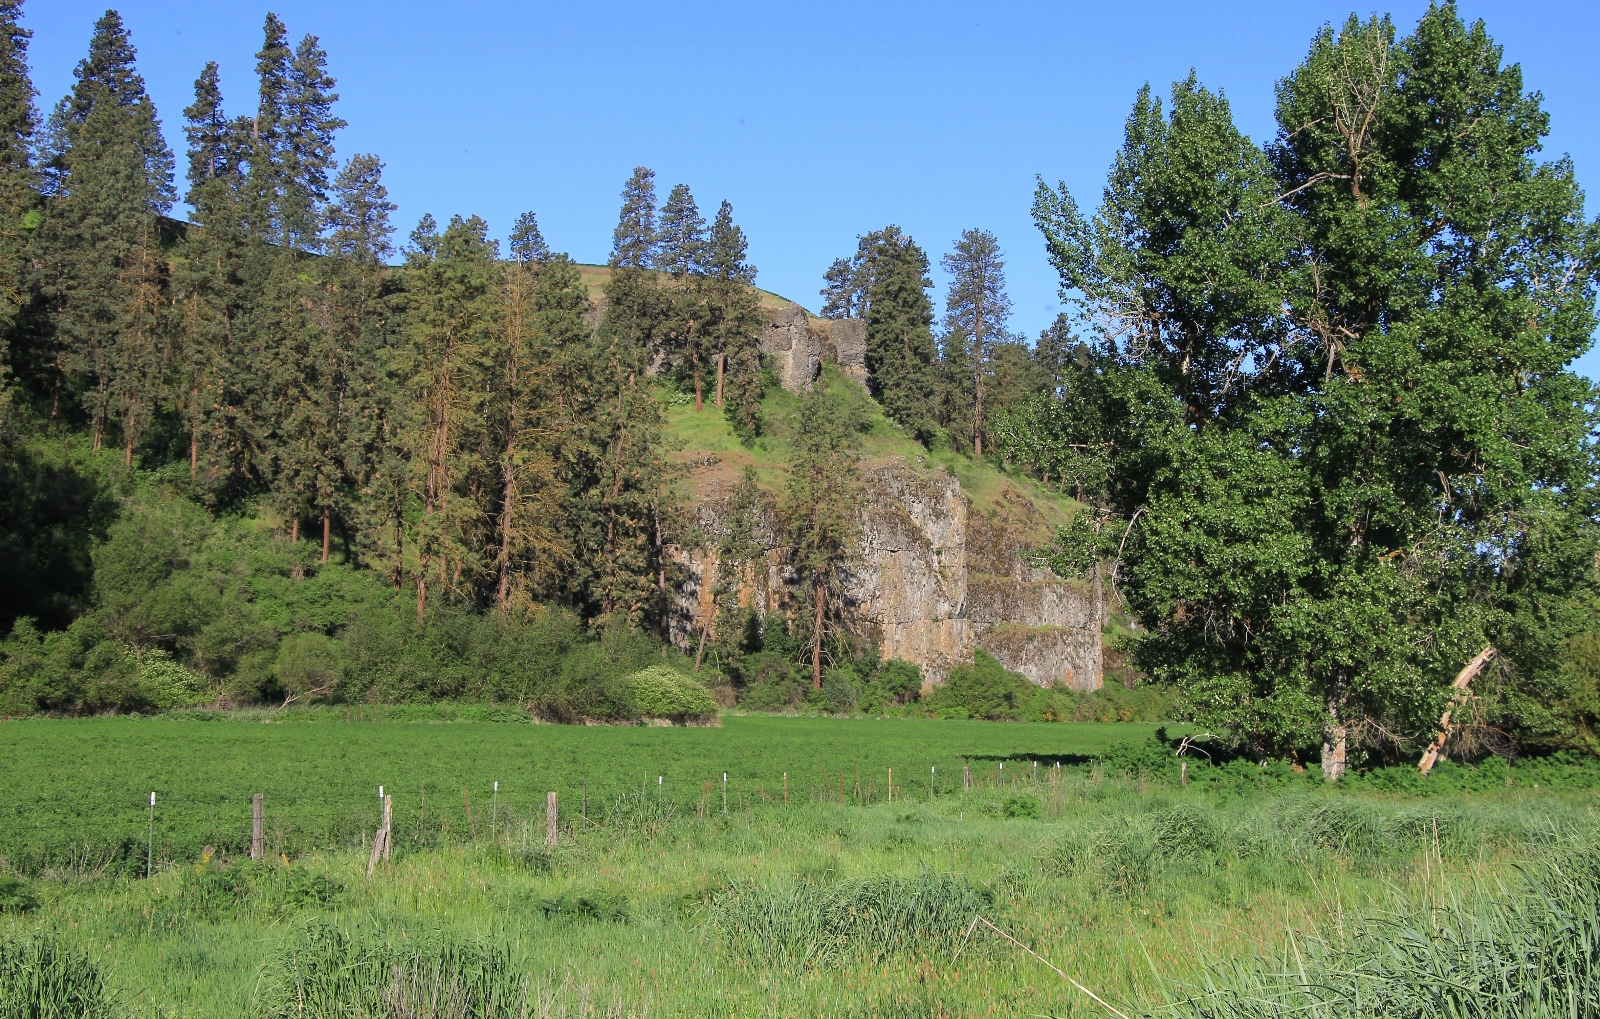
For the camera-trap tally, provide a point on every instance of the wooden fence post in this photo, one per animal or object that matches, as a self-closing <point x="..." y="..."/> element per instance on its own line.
<point x="550" y="820"/>
<point x="258" y="834"/>
<point x="388" y="826"/>
<point x="891" y="786"/>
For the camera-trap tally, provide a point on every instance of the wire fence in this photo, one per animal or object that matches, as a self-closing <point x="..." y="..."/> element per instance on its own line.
<point x="129" y="838"/>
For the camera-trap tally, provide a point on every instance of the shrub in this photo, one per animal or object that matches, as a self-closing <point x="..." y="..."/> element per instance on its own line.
<point x="985" y="689"/>
<point x="770" y="682"/>
<point x="661" y="691"/>
<point x="840" y="690"/>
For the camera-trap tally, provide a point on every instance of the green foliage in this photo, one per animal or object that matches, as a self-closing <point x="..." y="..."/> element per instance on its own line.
<point x="1283" y="333"/>
<point x="661" y="691"/>
<point x="595" y="906"/>
<point x="325" y="970"/>
<point x="15" y="895"/>
<point x="985" y="689"/>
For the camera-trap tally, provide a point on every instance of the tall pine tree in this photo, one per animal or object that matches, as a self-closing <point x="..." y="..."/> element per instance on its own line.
<point x="901" y="354"/>
<point x="734" y="324"/>
<point x="976" y="312"/>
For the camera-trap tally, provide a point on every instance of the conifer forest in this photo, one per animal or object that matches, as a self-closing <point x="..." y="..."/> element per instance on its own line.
<point x="1247" y="617"/>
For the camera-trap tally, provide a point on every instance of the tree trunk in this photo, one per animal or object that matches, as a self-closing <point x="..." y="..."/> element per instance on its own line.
<point x="1336" y="733"/>
<point x="194" y="450"/>
<point x="722" y="358"/>
<point x="503" y="588"/>
<point x="977" y="381"/>
<point x="294" y="528"/>
<point x="422" y="596"/>
<point x="697" y="399"/>
<point x="325" y="532"/>
<point x="816" y="636"/>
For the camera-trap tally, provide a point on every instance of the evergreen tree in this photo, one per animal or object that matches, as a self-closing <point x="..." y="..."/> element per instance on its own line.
<point x="821" y="509"/>
<point x="901" y="354"/>
<point x="734" y="324"/>
<point x="19" y="195"/>
<point x="107" y="274"/>
<point x="542" y="302"/>
<point x="739" y="552"/>
<point x="307" y="157"/>
<point x="681" y="253"/>
<point x="443" y="374"/>
<point x="976" y="311"/>
<point x="847" y="285"/>
<point x="633" y="243"/>
<point x="527" y="243"/>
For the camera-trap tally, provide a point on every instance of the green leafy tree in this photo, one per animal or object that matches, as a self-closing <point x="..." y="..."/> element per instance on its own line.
<point x="1343" y="449"/>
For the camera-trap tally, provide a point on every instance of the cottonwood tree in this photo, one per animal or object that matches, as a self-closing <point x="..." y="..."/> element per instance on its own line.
<point x="976" y="311"/>
<point x="1345" y="451"/>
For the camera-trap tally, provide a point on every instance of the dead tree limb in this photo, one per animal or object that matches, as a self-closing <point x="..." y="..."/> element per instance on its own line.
<point x="1463" y="679"/>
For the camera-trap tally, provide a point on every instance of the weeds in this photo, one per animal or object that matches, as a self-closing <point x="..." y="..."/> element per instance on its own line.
<point x="41" y="978"/>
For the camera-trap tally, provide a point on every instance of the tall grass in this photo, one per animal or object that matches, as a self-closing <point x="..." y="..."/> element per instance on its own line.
<point x="1527" y="950"/>
<point x="869" y="919"/>
<point x="42" y="978"/>
<point x="326" y="973"/>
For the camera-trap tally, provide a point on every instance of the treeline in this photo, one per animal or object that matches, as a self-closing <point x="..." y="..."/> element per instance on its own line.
<point x="462" y="424"/>
<point x="468" y="429"/>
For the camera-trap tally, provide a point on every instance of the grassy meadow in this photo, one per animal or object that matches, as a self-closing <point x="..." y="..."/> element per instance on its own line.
<point x="1138" y="886"/>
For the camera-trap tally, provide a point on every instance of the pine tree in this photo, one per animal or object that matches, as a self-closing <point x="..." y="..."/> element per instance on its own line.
<point x="681" y="254"/>
<point x="847" y="285"/>
<point x="633" y="243"/>
<point x="976" y="312"/>
<point x="821" y="508"/>
<point x="734" y="324"/>
<point x="307" y="140"/>
<point x="19" y="194"/>
<point x="527" y="243"/>
<point x="542" y="302"/>
<point x="107" y="274"/>
<point x="901" y="354"/>
<point x="443" y="374"/>
<point x="739" y="550"/>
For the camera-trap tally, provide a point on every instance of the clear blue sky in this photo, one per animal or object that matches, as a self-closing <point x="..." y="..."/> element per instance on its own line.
<point x="817" y="120"/>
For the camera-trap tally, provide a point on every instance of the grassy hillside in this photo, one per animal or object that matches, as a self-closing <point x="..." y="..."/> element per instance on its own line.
<point x="716" y="456"/>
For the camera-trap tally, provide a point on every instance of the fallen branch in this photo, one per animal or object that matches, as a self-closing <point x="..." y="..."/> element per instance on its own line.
<point x="1462" y="681"/>
<point x="976" y="920"/>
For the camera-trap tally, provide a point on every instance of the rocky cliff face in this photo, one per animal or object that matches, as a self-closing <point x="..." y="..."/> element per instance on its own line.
<point x="799" y="344"/>
<point x="936" y="576"/>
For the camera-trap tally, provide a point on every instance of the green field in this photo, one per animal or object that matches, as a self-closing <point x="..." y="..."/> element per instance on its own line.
<point x="75" y="793"/>
<point x="664" y="904"/>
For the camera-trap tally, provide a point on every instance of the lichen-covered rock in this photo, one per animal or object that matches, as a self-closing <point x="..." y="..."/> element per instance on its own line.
<point x="794" y="349"/>
<point x="934" y="578"/>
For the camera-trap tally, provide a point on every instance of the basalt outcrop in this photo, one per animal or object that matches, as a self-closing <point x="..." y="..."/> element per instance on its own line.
<point x="937" y="575"/>
<point x="797" y="345"/>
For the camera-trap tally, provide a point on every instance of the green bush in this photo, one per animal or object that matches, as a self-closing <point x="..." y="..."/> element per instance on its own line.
<point x="661" y="691"/>
<point x="15" y="895"/>
<point x="985" y="689"/>
<point x="768" y="681"/>
<point x="840" y="690"/>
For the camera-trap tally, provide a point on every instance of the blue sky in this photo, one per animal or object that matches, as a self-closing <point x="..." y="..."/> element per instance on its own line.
<point x="818" y="121"/>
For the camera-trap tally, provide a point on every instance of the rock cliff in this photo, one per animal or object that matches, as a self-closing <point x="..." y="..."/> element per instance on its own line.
<point x="936" y="576"/>
<point x="798" y="344"/>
